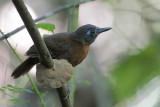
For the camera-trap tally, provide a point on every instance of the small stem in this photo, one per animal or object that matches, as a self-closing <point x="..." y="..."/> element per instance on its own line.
<point x="37" y="91"/>
<point x="29" y="77"/>
<point x="14" y="51"/>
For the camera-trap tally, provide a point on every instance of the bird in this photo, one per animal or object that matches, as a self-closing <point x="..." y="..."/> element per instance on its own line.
<point x="73" y="47"/>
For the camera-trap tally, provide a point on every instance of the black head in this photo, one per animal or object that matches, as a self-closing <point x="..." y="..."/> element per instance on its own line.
<point x="88" y="33"/>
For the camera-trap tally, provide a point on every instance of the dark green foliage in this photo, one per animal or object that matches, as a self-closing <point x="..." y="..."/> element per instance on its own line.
<point x="134" y="71"/>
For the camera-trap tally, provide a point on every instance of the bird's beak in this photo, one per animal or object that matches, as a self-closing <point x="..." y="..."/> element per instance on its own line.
<point x="100" y="30"/>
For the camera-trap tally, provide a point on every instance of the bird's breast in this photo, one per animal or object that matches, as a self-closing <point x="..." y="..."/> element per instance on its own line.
<point x="77" y="54"/>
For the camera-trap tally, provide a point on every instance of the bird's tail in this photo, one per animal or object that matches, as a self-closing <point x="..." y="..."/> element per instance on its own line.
<point x="24" y="67"/>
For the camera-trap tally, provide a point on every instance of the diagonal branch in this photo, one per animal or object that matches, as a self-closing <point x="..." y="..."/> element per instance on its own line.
<point x="58" y="9"/>
<point x="34" y="33"/>
<point x="40" y="45"/>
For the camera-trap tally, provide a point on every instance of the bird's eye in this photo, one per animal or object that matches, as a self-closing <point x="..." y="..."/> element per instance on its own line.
<point x="92" y="31"/>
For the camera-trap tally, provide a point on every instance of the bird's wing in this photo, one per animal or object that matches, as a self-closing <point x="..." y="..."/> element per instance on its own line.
<point x="57" y="45"/>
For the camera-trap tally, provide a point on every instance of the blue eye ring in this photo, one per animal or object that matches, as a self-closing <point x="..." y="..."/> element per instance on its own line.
<point x="89" y="32"/>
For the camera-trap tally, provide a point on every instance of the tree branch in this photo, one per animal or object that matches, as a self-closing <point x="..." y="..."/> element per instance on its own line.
<point x="58" y="9"/>
<point x="40" y="45"/>
<point x="62" y="92"/>
<point x="46" y="59"/>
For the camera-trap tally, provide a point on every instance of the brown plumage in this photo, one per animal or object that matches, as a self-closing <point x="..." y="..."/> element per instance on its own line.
<point x="72" y="47"/>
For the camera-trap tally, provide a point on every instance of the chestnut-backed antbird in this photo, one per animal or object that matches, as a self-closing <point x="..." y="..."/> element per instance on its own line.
<point x="70" y="46"/>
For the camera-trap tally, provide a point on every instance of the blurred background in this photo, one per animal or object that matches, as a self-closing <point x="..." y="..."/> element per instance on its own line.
<point x="123" y="65"/>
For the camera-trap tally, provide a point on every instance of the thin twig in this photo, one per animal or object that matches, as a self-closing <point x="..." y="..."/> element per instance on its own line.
<point x="58" y="9"/>
<point x="29" y="77"/>
<point x="46" y="59"/>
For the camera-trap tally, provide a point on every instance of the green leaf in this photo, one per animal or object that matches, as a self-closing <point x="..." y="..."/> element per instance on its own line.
<point x="18" y="89"/>
<point x="1" y="89"/>
<point x="11" y="89"/>
<point x="46" y="26"/>
<point x="4" y="87"/>
<point x="10" y="86"/>
<point x="86" y="82"/>
<point x="15" y="101"/>
<point x="135" y="71"/>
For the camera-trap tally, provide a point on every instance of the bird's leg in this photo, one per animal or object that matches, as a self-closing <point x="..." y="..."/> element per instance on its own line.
<point x="68" y="91"/>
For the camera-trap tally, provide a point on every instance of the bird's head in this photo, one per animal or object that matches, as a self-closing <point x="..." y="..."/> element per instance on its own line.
<point x="88" y="33"/>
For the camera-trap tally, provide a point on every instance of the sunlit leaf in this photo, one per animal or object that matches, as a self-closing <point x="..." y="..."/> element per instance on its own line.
<point x="46" y="26"/>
